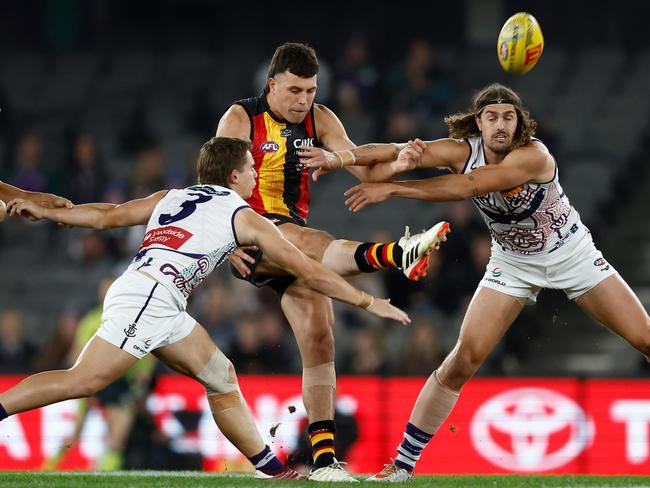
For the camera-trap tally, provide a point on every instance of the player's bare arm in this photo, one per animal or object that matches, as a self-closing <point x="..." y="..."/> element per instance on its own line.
<point x="94" y="215"/>
<point x="532" y="163"/>
<point x="9" y="192"/>
<point x="339" y="151"/>
<point x="254" y="229"/>
<point x="235" y="123"/>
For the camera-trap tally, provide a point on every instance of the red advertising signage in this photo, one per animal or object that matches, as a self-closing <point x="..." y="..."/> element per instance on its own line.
<point x="498" y="426"/>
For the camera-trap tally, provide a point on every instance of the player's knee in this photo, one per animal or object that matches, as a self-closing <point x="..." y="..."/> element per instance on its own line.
<point x="87" y="386"/>
<point x="320" y="342"/>
<point x="465" y="361"/>
<point x="313" y="243"/>
<point x="218" y="375"/>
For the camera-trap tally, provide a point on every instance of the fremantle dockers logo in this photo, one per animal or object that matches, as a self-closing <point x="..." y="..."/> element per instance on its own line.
<point x="530" y="430"/>
<point x="131" y="330"/>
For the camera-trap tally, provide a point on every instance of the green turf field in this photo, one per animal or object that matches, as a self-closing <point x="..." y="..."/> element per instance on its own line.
<point x="161" y="479"/>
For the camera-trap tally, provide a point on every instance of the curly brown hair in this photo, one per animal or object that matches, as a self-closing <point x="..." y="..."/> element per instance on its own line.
<point x="463" y="125"/>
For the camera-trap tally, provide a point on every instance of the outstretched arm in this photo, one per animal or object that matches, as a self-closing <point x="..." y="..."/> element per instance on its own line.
<point x="48" y="200"/>
<point x="254" y="229"/>
<point x="520" y="166"/>
<point x="340" y="152"/>
<point x="94" y="215"/>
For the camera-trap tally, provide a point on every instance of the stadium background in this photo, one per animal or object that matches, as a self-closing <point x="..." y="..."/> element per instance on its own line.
<point x="111" y="100"/>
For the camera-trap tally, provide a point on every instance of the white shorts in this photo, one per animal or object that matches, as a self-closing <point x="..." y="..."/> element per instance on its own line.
<point x="574" y="268"/>
<point x="141" y="315"/>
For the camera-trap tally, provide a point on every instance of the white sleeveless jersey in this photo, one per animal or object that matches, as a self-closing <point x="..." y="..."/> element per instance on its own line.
<point x="533" y="218"/>
<point x="190" y="232"/>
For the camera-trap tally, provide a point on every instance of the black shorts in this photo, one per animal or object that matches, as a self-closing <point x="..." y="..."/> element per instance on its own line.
<point x="278" y="284"/>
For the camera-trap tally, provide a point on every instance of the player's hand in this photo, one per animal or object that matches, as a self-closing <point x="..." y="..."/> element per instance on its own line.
<point x="323" y="161"/>
<point x="381" y="307"/>
<point x="365" y="194"/>
<point x="25" y="208"/>
<point x="410" y="157"/>
<point x="238" y="259"/>
<point x="48" y="200"/>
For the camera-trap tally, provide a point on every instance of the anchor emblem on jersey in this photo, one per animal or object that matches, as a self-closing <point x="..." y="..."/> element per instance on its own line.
<point x="131" y="329"/>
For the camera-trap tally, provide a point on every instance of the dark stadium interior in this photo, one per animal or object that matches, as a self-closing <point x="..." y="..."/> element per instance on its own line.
<point x="109" y="100"/>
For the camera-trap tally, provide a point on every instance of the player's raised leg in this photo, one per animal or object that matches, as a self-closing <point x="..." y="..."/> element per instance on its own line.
<point x="488" y="317"/>
<point x="198" y="357"/>
<point x="410" y="253"/>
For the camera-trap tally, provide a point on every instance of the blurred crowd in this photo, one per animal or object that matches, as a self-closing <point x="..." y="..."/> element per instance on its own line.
<point x="392" y="103"/>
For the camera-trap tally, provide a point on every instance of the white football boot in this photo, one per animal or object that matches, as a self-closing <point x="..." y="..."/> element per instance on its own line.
<point x="335" y="472"/>
<point x="392" y="474"/>
<point x="416" y="249"/>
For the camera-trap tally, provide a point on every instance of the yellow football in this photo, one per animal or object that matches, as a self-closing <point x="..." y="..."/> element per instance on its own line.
<point x="520" y="43"/>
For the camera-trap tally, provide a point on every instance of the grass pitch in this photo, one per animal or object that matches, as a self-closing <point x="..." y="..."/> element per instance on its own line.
<point x="164" y="479"/>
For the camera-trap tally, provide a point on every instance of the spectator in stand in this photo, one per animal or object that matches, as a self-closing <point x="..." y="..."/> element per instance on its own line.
<point x="16" y="352"/>
<point x="86" y="176"/>
<point x="28" y="173"/>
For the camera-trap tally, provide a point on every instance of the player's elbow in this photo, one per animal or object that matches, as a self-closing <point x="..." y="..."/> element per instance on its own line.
<point x="102" y="222"/>
<point x="456" y="195"/>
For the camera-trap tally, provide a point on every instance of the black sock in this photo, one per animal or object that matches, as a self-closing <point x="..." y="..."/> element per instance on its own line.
<point x="321" y="435"/>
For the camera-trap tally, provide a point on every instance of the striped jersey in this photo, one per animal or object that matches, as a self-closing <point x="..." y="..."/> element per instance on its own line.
<point x="533" y="218"/>
<point x="283" y="183"/>
<point x="189" y="233"/>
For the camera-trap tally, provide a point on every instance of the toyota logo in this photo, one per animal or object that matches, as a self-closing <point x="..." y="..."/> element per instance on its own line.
<point x="530" y="429"/>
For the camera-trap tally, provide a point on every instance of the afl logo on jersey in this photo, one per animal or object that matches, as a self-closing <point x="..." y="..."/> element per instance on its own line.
<point x="269" y="147"/>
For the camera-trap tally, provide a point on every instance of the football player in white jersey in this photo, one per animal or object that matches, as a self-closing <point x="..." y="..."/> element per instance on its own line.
<point x="189" y="233"/>
<point x="538" y="241"/>
<point x="9" y="192"/>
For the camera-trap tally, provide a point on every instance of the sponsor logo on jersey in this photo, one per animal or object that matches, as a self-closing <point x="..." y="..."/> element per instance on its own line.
<point x="269" y="147"/>
<point x="170" y="236"/>
<point x="498" y="282"/>
<point x="530" y="430"/>
<point x="600" y="262"/>
<point x="286" y="132"/>
<point x="308" y="141"/>
<point x="496" y="272"/>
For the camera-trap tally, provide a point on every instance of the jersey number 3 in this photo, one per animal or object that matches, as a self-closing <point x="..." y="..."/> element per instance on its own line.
<point x="187" y="208"/>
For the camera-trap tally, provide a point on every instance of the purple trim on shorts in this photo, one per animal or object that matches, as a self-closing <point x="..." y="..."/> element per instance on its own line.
<point x="232" y="222"/>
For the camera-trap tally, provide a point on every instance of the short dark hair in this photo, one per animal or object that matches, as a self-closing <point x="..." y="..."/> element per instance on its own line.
<point x="296" y="57"/>
<point x="218" y="157"/>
